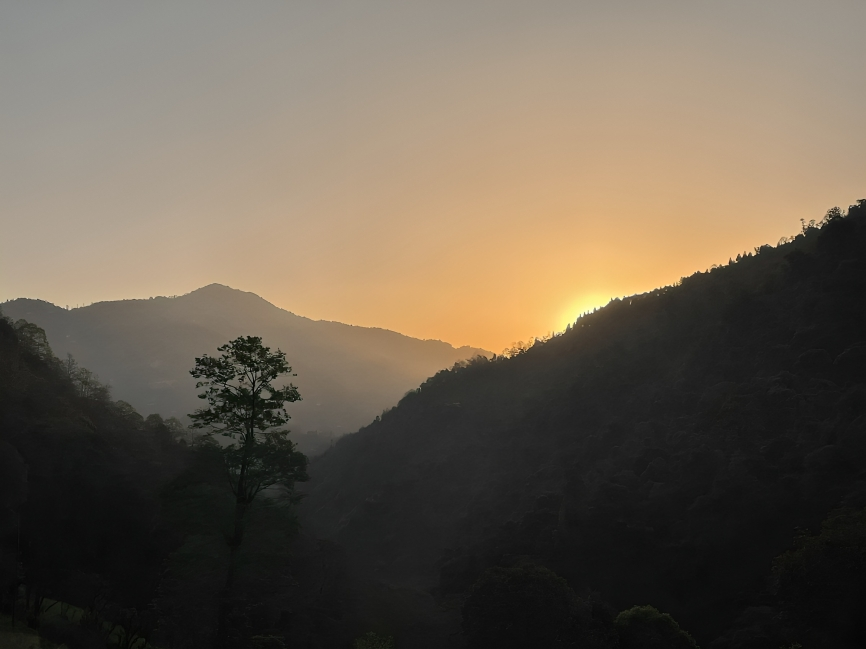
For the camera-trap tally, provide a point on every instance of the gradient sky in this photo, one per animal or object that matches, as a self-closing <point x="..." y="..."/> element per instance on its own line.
<point x="477" y="172"/>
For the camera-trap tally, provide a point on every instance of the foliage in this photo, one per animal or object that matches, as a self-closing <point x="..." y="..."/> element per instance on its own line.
<point x="34" y="340"/>
<point x="243" y="404"/>
<point x="238" y="386"/>
<point x="645" y="626"/>
<point x="821" y="583"/>
<point x="521" y="607"/>
<point x="122" y="522"/>
<point x="77" y="509"/>
<point x="372" y="640"/>
<point x="659" y="451"/>
<point x="271" y="461"/>
<point x="87" y="384"/>
<point x="267" y="642"/>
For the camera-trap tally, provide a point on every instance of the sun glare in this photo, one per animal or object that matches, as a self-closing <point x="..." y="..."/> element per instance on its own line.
<point x="580" y="305"/>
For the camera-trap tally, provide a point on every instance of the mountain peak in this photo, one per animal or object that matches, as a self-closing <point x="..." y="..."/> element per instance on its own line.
<point x="219" y="290"/>
<point x="226" y="296"/>
<point x="215" y="286"/>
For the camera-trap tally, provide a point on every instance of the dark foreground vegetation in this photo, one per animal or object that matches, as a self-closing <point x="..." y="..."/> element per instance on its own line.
<point x="656" y="476"/>
<point x="663" y="451"/>
<point x="115" y="530"/>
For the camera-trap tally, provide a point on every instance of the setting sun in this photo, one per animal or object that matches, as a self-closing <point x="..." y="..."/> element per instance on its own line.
<point x="581" y="305"/>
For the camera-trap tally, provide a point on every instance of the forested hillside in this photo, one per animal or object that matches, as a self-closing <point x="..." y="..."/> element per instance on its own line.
<point x="144" y="349"/>
<point x="661" y="451"/>
<point x="113" y="528"/>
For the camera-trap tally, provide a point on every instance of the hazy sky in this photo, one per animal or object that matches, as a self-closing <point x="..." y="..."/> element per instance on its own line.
<point x="478" y="172"/>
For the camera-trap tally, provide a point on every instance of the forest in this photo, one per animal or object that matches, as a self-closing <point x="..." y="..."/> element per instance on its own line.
<point x="680" y="468"/>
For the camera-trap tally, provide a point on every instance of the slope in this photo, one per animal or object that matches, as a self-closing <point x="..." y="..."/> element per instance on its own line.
<point x="112" y="526"/>
<point x="145" y="348"/>
<point x="661" y="451"/>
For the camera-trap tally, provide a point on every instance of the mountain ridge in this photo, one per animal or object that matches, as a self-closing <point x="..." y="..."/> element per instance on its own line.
<point x="144" y="348"/>
<point x="662" y="450"/>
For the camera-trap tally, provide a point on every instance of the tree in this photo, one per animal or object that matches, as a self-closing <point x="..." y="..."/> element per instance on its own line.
<point x="372" y="640"/>
<point x="34" y="340"/>
<point x="646" y="626"/>
<point x="821" y="582"/>
<point x="246" y="407"/>
<point x="521" y="607"/>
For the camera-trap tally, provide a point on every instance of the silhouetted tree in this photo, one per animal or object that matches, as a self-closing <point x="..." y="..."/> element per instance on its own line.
<point x="34" y="340"/>
<point x="245" y="406"/>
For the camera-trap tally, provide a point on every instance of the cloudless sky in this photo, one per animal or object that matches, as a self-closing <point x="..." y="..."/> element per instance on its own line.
<point x="477" y="172"/>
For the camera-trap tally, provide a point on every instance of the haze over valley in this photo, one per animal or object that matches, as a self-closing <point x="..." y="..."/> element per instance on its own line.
<point x="144" y="349"/>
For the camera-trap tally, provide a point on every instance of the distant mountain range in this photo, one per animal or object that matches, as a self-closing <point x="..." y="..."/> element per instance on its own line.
<point x="145" y="348"/>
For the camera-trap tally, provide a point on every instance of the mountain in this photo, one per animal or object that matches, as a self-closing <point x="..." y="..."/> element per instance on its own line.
<point x="661" y="451"/>
<point x="144" y="350"/>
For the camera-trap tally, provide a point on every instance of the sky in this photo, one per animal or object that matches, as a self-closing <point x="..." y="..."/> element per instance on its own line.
<point x="476" y="172"/>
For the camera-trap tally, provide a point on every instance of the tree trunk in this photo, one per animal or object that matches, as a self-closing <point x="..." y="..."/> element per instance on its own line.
<point x="226" y="604"/>
<point x="236" y="539"/>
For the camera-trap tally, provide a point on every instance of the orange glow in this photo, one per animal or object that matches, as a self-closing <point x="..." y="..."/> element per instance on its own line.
<point x="585" y="303"/>
<point x="478" y="172"/>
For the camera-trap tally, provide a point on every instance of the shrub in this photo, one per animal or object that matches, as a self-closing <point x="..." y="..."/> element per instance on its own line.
<point x="513" y="608"/>
<point x="644" y="626"/>
<point x="373" y="640"/>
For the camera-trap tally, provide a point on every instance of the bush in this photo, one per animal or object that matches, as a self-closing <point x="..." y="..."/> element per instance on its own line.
<point x="644" y="626"/>
<point x="821" y="583"/>
<point x="522" y="607"/>
<point x="372" y="640"/>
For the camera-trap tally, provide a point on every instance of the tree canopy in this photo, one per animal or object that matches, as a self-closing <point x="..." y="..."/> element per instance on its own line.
<point x="244" y="404"/>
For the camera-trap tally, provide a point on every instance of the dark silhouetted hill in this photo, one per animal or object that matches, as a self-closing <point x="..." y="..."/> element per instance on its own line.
<point x="111" y="524"/>
<point x="661" y="451"/>
<point x="145" y="348"/>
